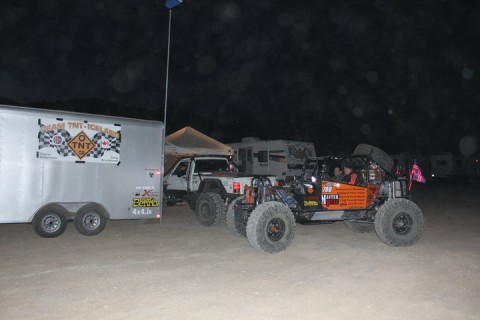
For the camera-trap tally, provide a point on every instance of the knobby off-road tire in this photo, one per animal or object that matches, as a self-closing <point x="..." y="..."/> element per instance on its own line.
<point x="50" y="221"/>
<point x="399" y="222"/>
<point x="361" y="227"/>
<point x="235" y="222"/>
<point x="378" y="155"/>
<point x="271" y="227"/>
<point x="210" y="209"/>
<point x="90" y="220"/>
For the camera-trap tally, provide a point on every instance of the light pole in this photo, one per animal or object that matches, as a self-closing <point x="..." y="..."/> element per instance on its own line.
<point x="170" y="4"/>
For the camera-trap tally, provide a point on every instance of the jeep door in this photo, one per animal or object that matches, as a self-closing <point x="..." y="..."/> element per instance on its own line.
<point x="177" y="179"/>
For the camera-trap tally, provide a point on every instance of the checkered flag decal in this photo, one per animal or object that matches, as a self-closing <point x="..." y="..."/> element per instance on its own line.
<point x="98" y="151"/>
<point x="46" y="140"/>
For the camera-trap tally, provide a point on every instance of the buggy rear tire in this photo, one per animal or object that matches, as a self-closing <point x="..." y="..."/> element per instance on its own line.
<point x="378" y="155"/>
<point x="399" y="222"/>
<point x="50" y="221"/>
<point x="271" y="227"/>
<point x="360" y="227"/>
<point x="236" y="222"/>
<point x="90" y="220"/>
<point x="210" y="209"/>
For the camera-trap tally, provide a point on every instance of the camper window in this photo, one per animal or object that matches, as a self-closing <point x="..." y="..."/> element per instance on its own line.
<point x="262" y="156"/>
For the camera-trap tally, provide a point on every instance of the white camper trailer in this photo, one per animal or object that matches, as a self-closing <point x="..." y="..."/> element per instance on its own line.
<point x="57" y="166"/>
<point x="452" y="166"/>
<point x="281" y="158"/>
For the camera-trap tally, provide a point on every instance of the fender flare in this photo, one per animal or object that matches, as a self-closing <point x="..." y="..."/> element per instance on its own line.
<point x="211" y="185"/>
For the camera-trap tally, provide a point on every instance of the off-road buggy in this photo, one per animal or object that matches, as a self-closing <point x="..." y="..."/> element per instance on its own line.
<point x="380" y="201"/>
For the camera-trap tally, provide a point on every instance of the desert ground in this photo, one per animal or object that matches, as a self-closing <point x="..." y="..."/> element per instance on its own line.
<point x="178" y="269"/>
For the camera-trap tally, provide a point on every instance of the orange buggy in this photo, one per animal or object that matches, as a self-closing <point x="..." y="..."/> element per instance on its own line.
<point x="378" y="201"/>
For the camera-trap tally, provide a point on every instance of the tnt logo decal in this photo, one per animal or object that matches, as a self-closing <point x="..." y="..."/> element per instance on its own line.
<point x="81" y="145"/>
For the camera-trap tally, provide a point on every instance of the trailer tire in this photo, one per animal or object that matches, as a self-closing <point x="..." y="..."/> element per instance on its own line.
<point x="360" y="227"/>
<point x="399" y="222"/>
<point x="210" y="209"/>
<point x="378" y="155"/>
<point x="50" y="221"/>
<point x="271" y="227"/>
<point x="90" y="220"/>
<point x="235" y="222"/>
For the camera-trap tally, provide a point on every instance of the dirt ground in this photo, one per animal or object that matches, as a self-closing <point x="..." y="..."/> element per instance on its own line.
<point x="179" y="269"/>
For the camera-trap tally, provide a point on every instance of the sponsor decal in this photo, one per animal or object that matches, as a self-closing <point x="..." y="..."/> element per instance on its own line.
<point x="330" y="199"/>
<point x="145" y="202"/>
<point x="310" y="203"/>
<point x="72" y="141"/>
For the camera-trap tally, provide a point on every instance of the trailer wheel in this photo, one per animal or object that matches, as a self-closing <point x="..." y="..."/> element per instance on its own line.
<point x="399" y="222"/>
<point x="210" y="209"/>
<point x="235" y="221"/>
<point x="271" y="227"/>
<point x="90" y="220"/>
<point x="50" y="221"/>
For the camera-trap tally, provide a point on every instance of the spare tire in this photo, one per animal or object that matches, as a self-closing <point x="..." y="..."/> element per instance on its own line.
<point x="379" y="156"/>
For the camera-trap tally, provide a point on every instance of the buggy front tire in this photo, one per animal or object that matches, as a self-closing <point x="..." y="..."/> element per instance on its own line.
<point x="399" y="222"/>
<point x="271" y="227"/>
<point x="90" y="220"/>
<point x="50" y="221"/>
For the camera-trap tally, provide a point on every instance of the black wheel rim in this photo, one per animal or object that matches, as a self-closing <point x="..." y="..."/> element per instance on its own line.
<point x="205" y="211"/>
<point x="275" y="229"/>
<point x="402" y="223"/>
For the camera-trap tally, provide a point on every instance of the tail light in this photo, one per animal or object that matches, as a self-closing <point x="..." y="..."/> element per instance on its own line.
<point x="249" y="194"/>
<point x="236" y="187"/>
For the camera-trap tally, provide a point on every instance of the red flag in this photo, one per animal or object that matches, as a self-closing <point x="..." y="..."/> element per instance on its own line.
<point x="416" y="174"/>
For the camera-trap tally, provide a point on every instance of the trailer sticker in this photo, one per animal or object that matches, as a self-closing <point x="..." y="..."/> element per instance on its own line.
<point x="65" y="140"/>
<point x="145" y="202"/>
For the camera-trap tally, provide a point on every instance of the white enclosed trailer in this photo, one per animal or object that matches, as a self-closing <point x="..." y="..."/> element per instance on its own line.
<point x="57" y="166"/>
<point x="281" y="158"/>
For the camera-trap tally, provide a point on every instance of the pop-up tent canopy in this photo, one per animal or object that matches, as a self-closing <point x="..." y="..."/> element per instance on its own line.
<point x="189" y="142"/>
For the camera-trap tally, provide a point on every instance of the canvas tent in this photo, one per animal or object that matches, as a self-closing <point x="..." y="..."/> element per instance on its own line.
<point x="188" y="142"/>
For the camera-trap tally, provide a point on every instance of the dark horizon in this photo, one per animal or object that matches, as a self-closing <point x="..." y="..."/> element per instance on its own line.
<point x="399" y="75"/>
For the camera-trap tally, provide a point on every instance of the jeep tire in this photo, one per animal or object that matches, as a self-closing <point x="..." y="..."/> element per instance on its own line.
<point x="271" y="227"/>
<point x="235" y="222"/>
<point x="399" y="222"/>
<point x="210" y="209"/>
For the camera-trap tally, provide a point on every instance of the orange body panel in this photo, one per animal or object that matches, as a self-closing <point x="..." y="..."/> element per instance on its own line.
<point x="341" y="196"/>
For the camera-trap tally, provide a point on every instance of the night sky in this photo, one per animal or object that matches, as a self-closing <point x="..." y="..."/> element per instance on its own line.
<point x="402" y="75"/>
